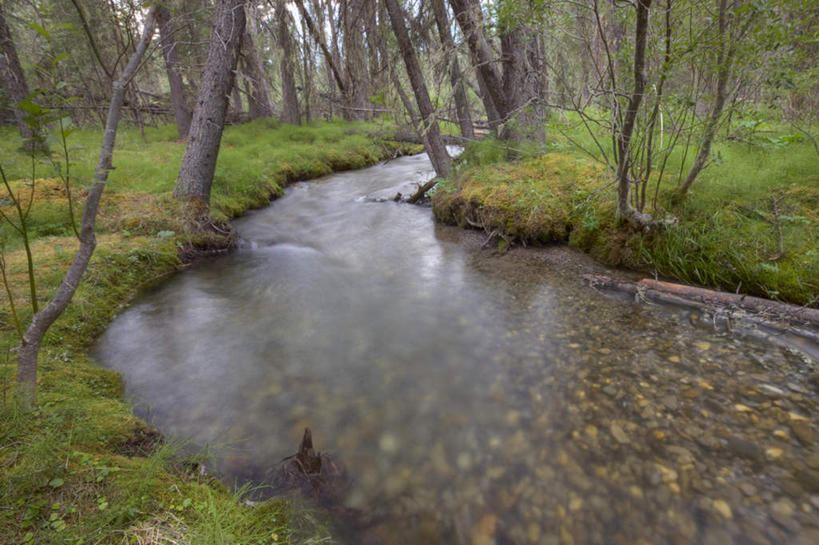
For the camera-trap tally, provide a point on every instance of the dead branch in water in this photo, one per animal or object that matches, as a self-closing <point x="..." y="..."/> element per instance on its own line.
<point x="781" y="317"/>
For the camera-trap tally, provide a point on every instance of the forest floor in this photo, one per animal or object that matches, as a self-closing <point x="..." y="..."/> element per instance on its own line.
<point x="750" y="223"/>
<point x="81" y="468"/>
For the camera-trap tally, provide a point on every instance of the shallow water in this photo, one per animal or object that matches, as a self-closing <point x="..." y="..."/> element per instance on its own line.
<point x="473" y="398"/>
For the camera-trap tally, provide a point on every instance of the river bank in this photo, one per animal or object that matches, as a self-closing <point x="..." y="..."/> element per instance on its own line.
<point x="750" y="226"/>
<point x="81" y="467"/>
<point x="469" y="397"/>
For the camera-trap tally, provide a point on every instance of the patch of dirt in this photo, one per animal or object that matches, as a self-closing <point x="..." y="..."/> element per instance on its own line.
<point x="142" y="442"/>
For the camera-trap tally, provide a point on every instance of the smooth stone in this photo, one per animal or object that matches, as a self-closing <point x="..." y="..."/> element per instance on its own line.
<point x="618" y="433"/>
<point x="723" y="508"/>
<point x="804" y="432"/>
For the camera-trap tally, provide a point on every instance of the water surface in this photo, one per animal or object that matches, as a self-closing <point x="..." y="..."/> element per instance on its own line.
<point x="474" y="398"/>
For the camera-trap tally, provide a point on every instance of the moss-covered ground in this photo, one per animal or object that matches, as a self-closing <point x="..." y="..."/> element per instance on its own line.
<point x="726" y="233"/>
<point x="81" y="468"/>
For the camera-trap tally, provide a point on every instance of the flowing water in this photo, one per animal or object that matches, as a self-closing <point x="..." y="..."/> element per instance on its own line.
<point x="473" y="398"/>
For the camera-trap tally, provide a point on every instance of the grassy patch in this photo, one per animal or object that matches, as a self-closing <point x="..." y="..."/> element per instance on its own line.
<point x="74" y="470"/>
<point x="727" y="234"/>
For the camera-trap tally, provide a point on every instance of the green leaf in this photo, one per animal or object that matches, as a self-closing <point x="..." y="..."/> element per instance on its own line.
<point x="56" y="482"/>
<point x="41" y="30"/>
<point x="165" y="234"/>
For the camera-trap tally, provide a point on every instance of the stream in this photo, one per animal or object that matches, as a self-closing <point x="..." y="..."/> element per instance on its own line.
<point x="473" y="398"/>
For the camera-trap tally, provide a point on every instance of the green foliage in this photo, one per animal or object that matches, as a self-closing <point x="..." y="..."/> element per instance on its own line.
<point x="726" y="233"/>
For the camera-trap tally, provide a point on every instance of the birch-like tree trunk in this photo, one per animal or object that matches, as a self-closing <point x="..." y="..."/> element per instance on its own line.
<point x="42" y="320"/>
<point x="199" y="161"/>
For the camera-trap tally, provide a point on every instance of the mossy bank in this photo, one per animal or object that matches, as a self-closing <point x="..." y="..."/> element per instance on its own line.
<point x="81" y="468"/>
<point x="750" y="225"/>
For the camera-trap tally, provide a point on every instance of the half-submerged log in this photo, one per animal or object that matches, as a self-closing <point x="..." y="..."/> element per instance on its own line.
<point x="773" y="315"/>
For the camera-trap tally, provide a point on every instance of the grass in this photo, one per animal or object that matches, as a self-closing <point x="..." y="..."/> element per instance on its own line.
<point x="726" y="234"/>
<point x="81" y="468"/>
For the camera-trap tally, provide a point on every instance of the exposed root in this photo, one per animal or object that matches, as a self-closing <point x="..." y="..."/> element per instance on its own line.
<point x="205" y="238"/>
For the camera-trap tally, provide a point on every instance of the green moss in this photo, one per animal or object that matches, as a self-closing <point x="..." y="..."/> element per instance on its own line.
<point x="726" y="234"/>
<point x="74" y="470"/>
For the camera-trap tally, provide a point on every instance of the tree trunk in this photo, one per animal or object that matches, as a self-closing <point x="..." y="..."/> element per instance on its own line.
<point x="723" y="73"/>
<point x="431" y="133"/>
<point x="14" y="82"/>
<point x="199" y="161"/>
<point x="455" y="79"/>
<point x="467" y="13"/>
<point x="290" y="100"/>
<point x="181" y="112"/>
<point x="42" y="320"/>
<point x="355" y="57"/>
<point x="624" y="137"/>
<point x="259" y="103"/>
<point x="319" y="37"/>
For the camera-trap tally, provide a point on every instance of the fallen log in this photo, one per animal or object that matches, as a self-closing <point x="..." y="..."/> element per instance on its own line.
<point x="746" y="302"/>
<point x="772" y="315"/>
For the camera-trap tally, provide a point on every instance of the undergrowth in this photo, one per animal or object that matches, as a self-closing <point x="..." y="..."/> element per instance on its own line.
<point x="81" y="468"/>
<point x="726" y="233"/>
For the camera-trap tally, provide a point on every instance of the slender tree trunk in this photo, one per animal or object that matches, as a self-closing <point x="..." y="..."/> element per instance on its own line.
<point x="724" y="58"/>
<point x="42" y="320"/>
<point x="467" y="13"/>
<point x="308" y="69"/>
<point x="455" y="78"/>
<point x="181" y="112"/>
<point x="319" y="37"/>
<point x="626" y="131"/>
<point x="431" y="133"/>
<point x="14" y="82"/>
<point x="355" y="59"/>
<point x="405" y="100"/>
<point x="290" y="99"/>
<point x="199" y="161"/>
<point x="259" y="103"/>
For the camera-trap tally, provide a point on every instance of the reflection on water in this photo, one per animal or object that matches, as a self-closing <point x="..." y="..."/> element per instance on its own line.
<point x="473" y="398"/>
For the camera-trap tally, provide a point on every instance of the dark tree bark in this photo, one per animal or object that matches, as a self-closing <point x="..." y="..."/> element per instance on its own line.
<point x="290" y="99"/>
<point x="43" y="319"/>
<point x="455" y="78"/>
<point x="259" y="103"/>
<point x="431" y="133"/>
<point x="14" y="82"/>
<point x="181" y="112"/>
<point x="199" y="161"/>
<point x="627" y="129"/>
